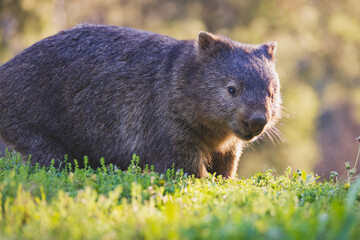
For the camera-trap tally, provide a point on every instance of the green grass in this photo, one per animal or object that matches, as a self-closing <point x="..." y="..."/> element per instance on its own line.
<point x="106" y="203"/>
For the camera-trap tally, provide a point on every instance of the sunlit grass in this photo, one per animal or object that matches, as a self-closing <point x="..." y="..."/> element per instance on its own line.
<point x="106" y="203"/>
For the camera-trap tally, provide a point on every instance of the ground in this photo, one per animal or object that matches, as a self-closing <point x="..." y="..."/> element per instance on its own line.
<point x="106" y="203"/>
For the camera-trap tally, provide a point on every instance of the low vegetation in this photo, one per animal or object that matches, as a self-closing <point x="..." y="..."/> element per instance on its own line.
<point x="106" y="203"/>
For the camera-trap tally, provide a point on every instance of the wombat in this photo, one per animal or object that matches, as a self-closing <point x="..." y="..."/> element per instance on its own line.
<point x="106" y="91"/>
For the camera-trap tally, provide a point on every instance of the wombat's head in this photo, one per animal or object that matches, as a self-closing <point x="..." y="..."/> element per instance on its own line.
<point x="237" y="86"/>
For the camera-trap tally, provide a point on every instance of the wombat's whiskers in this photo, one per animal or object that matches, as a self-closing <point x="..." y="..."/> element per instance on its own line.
<point x="273" y="134"/>
<point x="277" y="134"/>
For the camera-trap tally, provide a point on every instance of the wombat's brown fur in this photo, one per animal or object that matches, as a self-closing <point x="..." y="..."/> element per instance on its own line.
<point x="105" y="91"/>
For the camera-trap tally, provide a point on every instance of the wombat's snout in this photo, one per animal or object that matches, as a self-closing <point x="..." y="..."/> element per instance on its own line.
<point x="256" y="122"/>
<point x="250" y="127"/>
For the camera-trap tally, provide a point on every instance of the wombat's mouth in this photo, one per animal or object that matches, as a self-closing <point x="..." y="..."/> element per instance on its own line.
<point x="246" y="137"/>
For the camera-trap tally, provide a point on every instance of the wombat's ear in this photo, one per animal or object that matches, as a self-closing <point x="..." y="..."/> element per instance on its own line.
<point x="210" y="43"/>
<point x="270" y="50"/>
<point x="206" y="41"/>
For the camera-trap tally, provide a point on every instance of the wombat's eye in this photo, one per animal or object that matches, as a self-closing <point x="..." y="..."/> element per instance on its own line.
<point x="232" y="90"/>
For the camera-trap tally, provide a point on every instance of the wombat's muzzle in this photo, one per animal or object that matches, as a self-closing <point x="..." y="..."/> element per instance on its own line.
<point x="257" y="122"/>
<point x="252" y="126"/>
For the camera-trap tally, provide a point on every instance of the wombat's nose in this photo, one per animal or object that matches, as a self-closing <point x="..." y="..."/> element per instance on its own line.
<point x="257" y="122"/>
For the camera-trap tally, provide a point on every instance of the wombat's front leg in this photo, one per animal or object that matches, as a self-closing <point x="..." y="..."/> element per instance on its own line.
<point x="194" y="166"/>
<point x="187" y="157"/>
<point x="225" y="163"/>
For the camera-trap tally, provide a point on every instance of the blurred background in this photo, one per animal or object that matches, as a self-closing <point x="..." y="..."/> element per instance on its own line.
<point x="318" y="60"/>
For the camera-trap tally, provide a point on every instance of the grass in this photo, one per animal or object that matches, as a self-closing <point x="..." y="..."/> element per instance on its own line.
<point x="106" y="203"/>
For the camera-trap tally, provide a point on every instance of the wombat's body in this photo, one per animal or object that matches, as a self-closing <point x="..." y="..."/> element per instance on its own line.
<point x="104" y="91"/>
